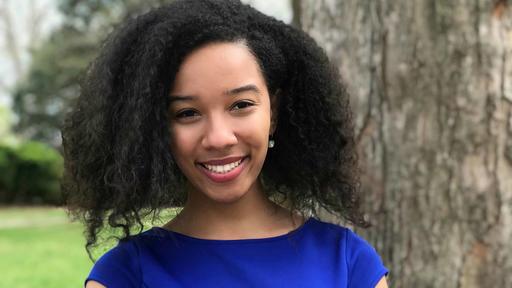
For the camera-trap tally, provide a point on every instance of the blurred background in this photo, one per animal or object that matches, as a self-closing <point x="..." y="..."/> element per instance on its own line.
<point x="431" y="87"/>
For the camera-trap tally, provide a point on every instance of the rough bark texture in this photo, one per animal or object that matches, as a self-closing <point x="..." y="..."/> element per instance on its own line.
<point x="431" y="85"/>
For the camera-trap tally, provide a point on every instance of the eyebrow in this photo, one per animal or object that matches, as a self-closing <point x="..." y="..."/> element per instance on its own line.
<point x="231" y="92"/>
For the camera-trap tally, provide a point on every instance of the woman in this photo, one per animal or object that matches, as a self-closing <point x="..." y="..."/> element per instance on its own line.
<point x="240" y="119"/>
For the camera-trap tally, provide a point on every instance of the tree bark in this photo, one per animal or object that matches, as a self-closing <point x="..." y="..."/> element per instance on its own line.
<point x="296" y="11"/>
<point x="431" y="86"/>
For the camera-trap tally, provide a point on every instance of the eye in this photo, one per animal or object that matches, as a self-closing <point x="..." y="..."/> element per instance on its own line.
<point x="242" y="105"/>
<point x="187" y="113"/>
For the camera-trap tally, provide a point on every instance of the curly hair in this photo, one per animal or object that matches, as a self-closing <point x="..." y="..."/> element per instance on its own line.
<point x="118" y="165"/>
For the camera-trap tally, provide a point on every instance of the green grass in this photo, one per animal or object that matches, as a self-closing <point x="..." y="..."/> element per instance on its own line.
<point x="43" y="257"/>
<point x="39" y="247"/>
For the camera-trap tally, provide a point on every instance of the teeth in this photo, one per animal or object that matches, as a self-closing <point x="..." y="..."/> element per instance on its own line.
<point x="223" y="168"/>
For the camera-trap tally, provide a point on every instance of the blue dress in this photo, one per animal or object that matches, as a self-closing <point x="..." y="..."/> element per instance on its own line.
<point x="318" y="254"/>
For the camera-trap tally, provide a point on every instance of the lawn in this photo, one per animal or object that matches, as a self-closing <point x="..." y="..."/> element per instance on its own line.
<point x="39" y="247"/>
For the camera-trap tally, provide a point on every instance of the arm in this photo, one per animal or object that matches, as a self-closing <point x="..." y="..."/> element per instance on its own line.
<point x="364" y="263"/>
<point x="93" y="284"/>
<point x="382" y="283"/>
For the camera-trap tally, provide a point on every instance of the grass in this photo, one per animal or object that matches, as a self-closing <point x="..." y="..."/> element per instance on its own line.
<point x="39" y="247"/>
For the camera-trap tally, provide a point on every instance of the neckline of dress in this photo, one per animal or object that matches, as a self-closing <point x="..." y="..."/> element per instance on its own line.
<point x="294" y="232"/>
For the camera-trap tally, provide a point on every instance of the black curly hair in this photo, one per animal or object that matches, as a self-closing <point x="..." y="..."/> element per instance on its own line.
<point x="119" y="168"/>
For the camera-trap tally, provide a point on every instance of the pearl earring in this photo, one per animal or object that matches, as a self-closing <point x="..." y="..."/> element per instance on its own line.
<point x="271" y="143"/>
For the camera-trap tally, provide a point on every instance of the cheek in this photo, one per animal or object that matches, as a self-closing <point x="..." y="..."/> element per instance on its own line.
<point x="182" y="143"/>
<point x="256" y="131"/>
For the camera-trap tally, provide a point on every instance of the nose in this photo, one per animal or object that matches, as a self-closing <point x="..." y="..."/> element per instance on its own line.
<point x="218" y="134"/>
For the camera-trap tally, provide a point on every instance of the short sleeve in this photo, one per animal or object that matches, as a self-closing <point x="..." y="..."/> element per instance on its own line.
<point x="365" y="267"/>
<point x="118" y="268"/>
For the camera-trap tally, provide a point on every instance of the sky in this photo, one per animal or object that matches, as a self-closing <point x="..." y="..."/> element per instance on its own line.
<point x="20" y="12"/>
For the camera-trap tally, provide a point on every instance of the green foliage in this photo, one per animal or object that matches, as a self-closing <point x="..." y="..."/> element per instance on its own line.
<point x="88" y="13"/>
<point x="5" y="122"/>
<point x="30" y="174"/>
<point x="52" y="83"/>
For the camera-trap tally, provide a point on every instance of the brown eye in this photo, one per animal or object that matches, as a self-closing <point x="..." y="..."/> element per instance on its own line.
<point x="188" y="113"/>
<point x="241" y="105"/>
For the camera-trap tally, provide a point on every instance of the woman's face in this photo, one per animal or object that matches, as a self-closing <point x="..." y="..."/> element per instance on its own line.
<point x="220" y="117"/>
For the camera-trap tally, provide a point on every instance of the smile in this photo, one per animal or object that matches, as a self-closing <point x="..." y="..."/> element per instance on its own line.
<point x="223" y="170"/>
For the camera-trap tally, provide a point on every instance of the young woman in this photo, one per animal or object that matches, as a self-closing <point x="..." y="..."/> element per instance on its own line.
<point x="240" y="119"/>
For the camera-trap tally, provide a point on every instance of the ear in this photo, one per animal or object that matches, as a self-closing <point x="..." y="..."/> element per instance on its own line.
<point x="274" y="107"/>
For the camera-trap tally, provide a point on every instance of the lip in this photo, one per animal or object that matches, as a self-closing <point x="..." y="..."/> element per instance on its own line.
<point x="223" y="161"/>
<point x="224" y="177"/>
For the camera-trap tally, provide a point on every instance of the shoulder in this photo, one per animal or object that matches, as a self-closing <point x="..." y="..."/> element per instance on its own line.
<point x="333" y="233"/>
<point x="364" y="265"/>
<point x="119" y="266"/>
<point x="352" y="243"/>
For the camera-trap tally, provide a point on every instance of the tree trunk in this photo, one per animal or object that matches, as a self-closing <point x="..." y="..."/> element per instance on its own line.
<point x="431" y="86"/>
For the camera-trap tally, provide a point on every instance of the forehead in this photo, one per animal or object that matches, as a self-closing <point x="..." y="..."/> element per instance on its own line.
<point x="219" y="66"/>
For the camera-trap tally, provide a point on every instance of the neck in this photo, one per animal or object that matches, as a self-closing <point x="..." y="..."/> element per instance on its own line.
<point x="252" y="216"/>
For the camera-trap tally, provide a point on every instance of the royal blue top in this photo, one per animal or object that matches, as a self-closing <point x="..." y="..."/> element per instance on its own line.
<point x="317" y="254"/>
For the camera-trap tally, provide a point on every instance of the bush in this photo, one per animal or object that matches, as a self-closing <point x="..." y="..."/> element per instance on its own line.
<point x="30" y="174"/>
